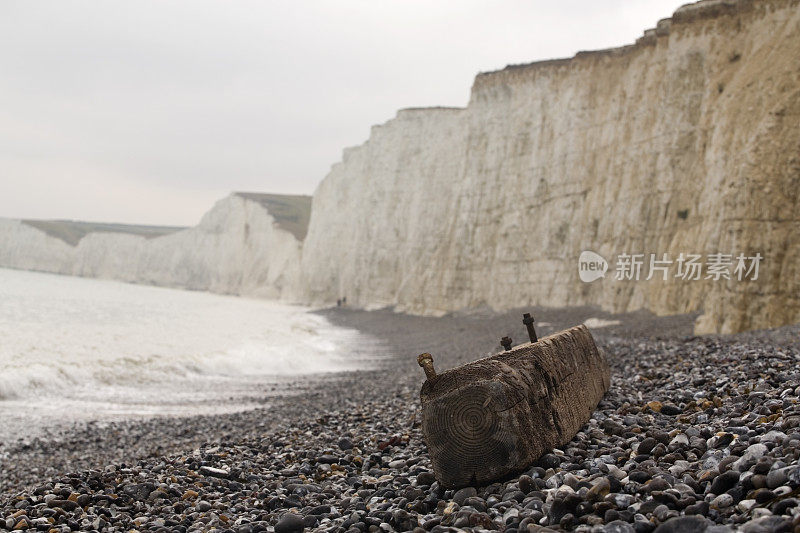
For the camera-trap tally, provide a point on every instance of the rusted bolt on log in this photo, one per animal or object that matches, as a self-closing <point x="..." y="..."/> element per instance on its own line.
<point x="489" y="418"/>
<point x="425" y="360"/>
<point x="505" y="342"/>
<point x="527" y="319"/>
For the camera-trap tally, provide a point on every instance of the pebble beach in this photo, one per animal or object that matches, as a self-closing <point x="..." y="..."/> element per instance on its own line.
<point x="695" y="434"/>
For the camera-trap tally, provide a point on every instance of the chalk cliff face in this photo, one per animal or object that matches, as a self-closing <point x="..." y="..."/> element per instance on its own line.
<point x="686" y="142"/>
<point x="247" y="244"/>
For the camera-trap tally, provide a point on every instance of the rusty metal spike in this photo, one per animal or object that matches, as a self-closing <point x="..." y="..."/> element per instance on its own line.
<point x="425" y="360"/>
<point x="527" y="319"/>
<point x="506" y="343"/>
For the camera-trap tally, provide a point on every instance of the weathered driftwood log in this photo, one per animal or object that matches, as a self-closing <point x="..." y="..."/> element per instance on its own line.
<point x="497" y="415"/>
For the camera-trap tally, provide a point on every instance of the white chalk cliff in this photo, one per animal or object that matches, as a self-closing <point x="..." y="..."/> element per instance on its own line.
<point x="687" y="141"/>
<point x="248" y="244"/>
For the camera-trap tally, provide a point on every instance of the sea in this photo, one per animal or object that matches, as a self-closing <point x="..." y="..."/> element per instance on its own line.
<point x="76" y="350"/>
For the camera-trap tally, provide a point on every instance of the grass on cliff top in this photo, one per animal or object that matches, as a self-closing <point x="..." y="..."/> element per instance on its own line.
<point x="291" y="212"/>
<point x="72" y="231"/>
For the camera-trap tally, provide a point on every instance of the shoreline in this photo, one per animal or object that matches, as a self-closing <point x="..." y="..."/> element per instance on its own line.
<point x="267" y="453"/>
<point x="274" y="395"/>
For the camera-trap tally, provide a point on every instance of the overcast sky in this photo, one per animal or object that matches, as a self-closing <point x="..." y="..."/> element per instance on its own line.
<point x="149" y="111"/>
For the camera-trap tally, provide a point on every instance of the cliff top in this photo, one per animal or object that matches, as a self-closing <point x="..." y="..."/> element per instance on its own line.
<point x="703" y="9"/>
<point x="432" y="108"/>
<point x="291" y="212"/>
<point x="686" y="14"/>
<point x="72" y="231"/>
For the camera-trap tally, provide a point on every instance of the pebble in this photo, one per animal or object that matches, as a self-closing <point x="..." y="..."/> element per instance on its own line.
<point x="723" y="501"/>
<point x="463" y="494"/>
<point x="618" y="526"/>
<point x="290" y="523"/>
<point x="776" y="478"/>
<point x="670" y="409"/>
<point x="684" y="524"/>
<point x="647" y="445"/>
<point x="214" y="472"/>
<point x="724" y="482"/>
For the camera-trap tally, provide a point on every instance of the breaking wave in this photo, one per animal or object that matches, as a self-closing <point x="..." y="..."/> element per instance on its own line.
<point x="76" y="338"/>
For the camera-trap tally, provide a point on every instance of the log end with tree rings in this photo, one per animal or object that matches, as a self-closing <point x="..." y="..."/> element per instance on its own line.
<point x="495" y="416"/>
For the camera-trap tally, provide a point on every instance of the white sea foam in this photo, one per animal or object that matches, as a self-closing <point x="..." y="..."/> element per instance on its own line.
<point x="84" y="345"/>
<point x="597" y="323"/>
